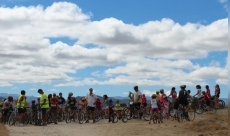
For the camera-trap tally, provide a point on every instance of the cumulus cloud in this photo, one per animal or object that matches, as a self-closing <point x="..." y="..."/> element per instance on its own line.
<point x="157" y="52"/>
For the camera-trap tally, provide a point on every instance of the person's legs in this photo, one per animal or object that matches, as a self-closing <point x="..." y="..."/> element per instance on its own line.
<point x="21" y="112"/>
<point x="151" y="115"/>
<point x="44" y="113"/>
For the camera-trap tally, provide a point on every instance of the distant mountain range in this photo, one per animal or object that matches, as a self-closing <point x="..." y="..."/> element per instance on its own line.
<point x="123" y="100"/>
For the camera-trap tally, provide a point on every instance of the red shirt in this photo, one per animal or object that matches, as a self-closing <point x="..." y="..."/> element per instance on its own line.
<point x="173" y="93"/>
<point x="206" y="97"/>
<point x="54" y="103"/>
<point x="98" y="104"/>
<point x="208" y="92"/>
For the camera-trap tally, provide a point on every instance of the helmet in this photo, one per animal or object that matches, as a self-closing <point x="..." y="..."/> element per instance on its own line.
<point x="110" y="100"/>
<point x="54" y="94"/>
<point x="157" y="92"/>
<point x="183" y="86"/>
<point x="206" y="86"/>
<point x="33" y="101"/>
<point x="10" y="98"/>
<point x="70" y="93"/>
<point x="198" y="86"/>
<point x="83" y="98"/>
<point x="154" y="95"/>
<point x="161" y="90"/>
<point x="217" y="85"/>
<point x="60" y="93"/>
<point x="173" y="88"/>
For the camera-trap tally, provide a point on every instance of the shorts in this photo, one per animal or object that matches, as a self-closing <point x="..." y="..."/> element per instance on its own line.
<point x="184" y="102"/>
<point x="5" y="112"/>
<point x="155" y="109"/>
<point x="137" y="105"/>
<point x="208" y="103"/>
<point x="44" y="110"/>
<point x="90" y="108"/>
<point x="21" y="110"/>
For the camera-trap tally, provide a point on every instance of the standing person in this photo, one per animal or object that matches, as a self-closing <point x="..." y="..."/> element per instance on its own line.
<point x="217" y="95"/>
<point x="61" y="104"/>
<point x="21" y="105"/>
<point x="54" y="107"/>
<point x="44" y="104"/>
<point x="199" y="95"/>
<point x="144" y="101"/>
<point x="208" y="91"/>
<point x="158" y="95"/>
<point x="137" y="99"/>
<point x="106" y="103"/>
<point x="173" y="93"/>
<point x="73" y="108"/>
<point x="6" y="107"/>
<point x="91" y="104"/>
<point x="183" y="99"/>
<point x="154" y="108"/>
<point x="206" y="99"/>
<point x="111" y="106"/>
<point x="67" y="101"/>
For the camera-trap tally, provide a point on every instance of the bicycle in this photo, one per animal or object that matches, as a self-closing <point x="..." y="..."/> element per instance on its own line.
<point x="70" y="117"/>
<point x="155" y="118"/>
<point x="83" y="115"/>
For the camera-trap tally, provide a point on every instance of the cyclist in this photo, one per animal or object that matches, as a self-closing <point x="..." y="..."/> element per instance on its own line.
<point x="67" y="102"/>
<point x="54" y="107"/>
<point x="175" y="108"/>
<point x="199" y="94"/>
<point x="73" y="107"/>
<point x="217" y="95"/>
<point x="173" y="93"/>
<point x="82" y="104"/>
<point x="158" y="95"/>
<point x="183" y="99"/>
<point x="144" y="101"/>
<point x="61" y="104"/>
<point x="137" y="99"/>
<point x="206" y="99"/>
<point x="111" y="106"/>
<point x="208" y="92"/>
<point x="6" y="107"/>
<point x="91" y="98"/>
<point x="21" y="105"/>
<point x="44" y="104"/>
<point x="154" y="108"/>
<point x="106" y="103"/>
<point x="118" y="108"/>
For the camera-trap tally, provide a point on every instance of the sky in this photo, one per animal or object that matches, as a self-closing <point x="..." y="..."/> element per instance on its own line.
<point x="111" y="46"/>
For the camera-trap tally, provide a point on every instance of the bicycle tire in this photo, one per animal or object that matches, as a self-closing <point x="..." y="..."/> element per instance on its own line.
<point x="155" y="118"/>
<point x="124" y="117"/>
<point x="81" y="118"/>
<point x="12" y="119"/>
<point x="114" y="118"/>
<point x="68" y="120"/>
<point x="221" y="104"/>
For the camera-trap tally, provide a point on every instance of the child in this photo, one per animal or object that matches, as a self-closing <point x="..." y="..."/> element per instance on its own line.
<point x="33" y="105"/>
<point x="82" y="104"/>
<point x="175" y="107"/>
<point x="98" y="104"/>
<point x="118" y="109"/>
<point x="206" y="99"/>
<point x="166" y="107"/>
<point x="111" y="106"/>
<point x="154" y="108"/>
<point x="144" y="101"/>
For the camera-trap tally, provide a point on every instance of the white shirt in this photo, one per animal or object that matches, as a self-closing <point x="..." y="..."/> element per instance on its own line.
<point x="154" y="103"/>
<point x="199" y="94"/>
<point x="136" y="95"/>
<point x="6" y="104"/>
<point x="91" y="100"/>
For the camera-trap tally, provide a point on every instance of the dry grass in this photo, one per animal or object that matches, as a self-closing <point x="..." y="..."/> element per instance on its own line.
<point x="3" y="130"/>
<point x="213" y="124"/>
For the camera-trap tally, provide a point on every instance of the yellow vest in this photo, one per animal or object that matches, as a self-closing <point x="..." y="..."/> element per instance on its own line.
<point x="44" y="96"/>
<point x="23" y="102"/>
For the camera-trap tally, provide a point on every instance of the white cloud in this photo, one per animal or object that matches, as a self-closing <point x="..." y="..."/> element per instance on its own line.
<point x="223" y="1"/>
<point x="153" y="53"/>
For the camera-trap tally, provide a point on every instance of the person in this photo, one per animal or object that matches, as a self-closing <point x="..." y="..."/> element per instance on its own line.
<point x="144" y="101"/>
<point x="67" y="102"/>
<point x="206" y="98"/>
<point x="162" y="96"/>
<point x="73" y="107"/>
<point x="6" y="107"/>
<point x="217" y="95"/>
<point x="21" y="105"/>
<point x="33" y="105"/>
<point x="183" y="99"/>
<point x="91" y="98"/>
<point x="158" y="95"/>
<point x="82" y="104"/>
<point x="154" y="108"/>
<point x="61" y="104"/>
<point x="189" y="98"/>
<point x="173" y="93"/>
<point x="208" y="92"/>
<point x="54" y="107"/>
<point x="111" y="106"/>
<point x="106" y="104"/>
<point x="118" y="108"/>
<point x="199" y="95"/>
<point x="166" y="107"/>
<point x="175" y="108"/>
<point x="137" y="99"/>
<point x="44" y="104"/>
<point x="98" y="104"/>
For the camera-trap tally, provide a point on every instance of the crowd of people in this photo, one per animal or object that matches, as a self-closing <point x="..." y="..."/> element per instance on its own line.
<point x="54" y="103"/>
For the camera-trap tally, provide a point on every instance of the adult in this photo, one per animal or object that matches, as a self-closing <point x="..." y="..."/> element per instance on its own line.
<point x="217" y="95"/>
<point x="162" y="96"/>
<point x="199" y="95"/>
<point x="21" y="105"/>
<point x="91" y="99"/>
<point x="44" y="104"/>
<point x="6" y="107"/>
<point x="173" y="93"/>
<point x="137" y="99"/>
<point x="61" y="104"/>
<point x="106" y="104"/>
<point x="54" y="107"/>
<point x="183" y="98"/>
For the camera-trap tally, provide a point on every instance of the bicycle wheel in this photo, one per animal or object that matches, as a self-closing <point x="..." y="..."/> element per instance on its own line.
<point x="199" y="110"/>
<point x="155" y="118"/>
<point x="128" y="113"/>
<point x="213" y="109"/>
<point x="68" y="118"/>
<point x="171" y="113"/>
<point x="12" y="119"/>
<point x="146" y="115"/>
<point x="124" y="117"/>
<point x="81" y="118"/>
<point x="221" y="104"/>
<point x="191" y="115"/>
<point x="178" y="116"/>
<point x="114" y="118"/>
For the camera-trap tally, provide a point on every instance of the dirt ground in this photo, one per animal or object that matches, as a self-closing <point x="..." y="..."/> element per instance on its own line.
<point x="203" y="125"/>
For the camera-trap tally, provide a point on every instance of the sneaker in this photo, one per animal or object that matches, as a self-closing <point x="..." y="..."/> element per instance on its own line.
<point x="20" y="125"/>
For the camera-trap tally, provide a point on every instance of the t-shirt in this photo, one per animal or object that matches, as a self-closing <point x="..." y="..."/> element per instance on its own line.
<point x="199" y="93"/>
<point x="91" y="100"/>
<point x="136" y="95"/>
<point x="208" y="92"/>
<point x="34" y="107"/>
<point x="206" y="97"/>
<point x="72" y="103"/>
<point x="176" y="105"/>
<point x="98" y="104"/>
<point x="82" y="104"/>
<point x="54" y="103"/>
<point x="110" y="108"/>
<point x="143" y="100"/>
<point x="162" y="98"/>
<point x="118" y="106"/>
<point x="61" y="100"/>
<point x="154" y="103"/>
<point x="158" y="97"/>
<point x="182" y="95"/>
<point x="6" y="104"/>
<point x="174" y="94"/>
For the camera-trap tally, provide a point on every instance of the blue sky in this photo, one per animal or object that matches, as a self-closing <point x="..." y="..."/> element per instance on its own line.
<point x="111" y="46"/>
